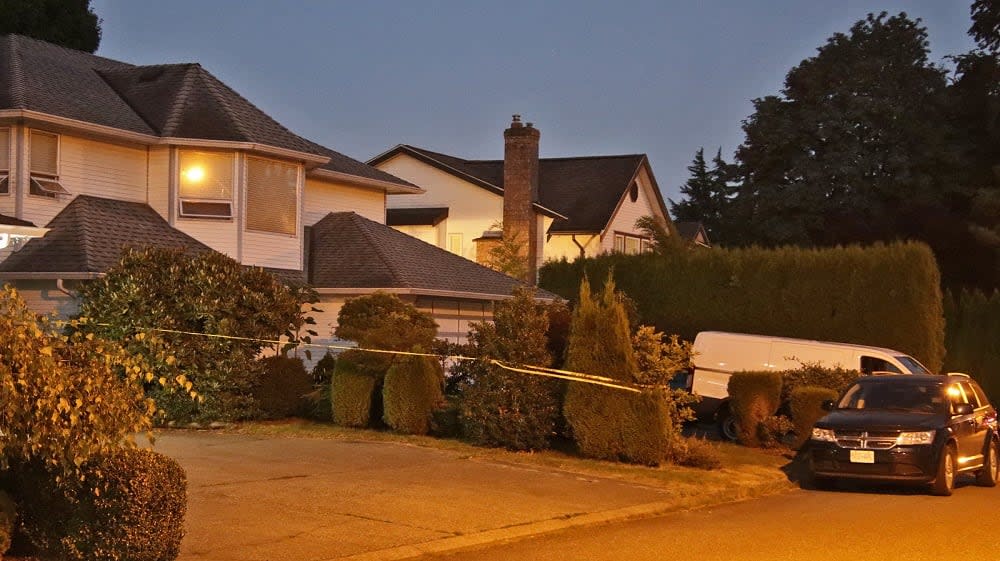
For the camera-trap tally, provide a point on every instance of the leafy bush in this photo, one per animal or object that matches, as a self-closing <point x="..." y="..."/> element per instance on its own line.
<point x="8" y="516"/>
<point x="318" y="406"/>
<point x="129" y="506"/>
<point x="973" y="337"/>
<point x="207" y="293"/>
<point x="445" y="418"/>
<point x="836" y="294"/>
<point x="383" y="321"/>
<point x="805" y="403"/>
<point x="283" y="387"/>
<point x="503" y="408"/>
<point x="411" y="393"/>
<point x="815" y="375"/>
<point x="351" y="394"/>
<point x="658" y="360"/>
<point x="699" y="453"/>
<point x="66" y="397"/>
<point x="754" y="397"/>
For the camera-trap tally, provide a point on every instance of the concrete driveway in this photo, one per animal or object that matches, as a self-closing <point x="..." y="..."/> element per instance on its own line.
<point x="270" y="498"/>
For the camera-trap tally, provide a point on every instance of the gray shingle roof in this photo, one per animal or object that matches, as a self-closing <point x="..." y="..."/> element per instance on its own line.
<point x="429" y="216"/>
<point x="11" y="221"/>
<point x="89" y="235"/>
<point x="349" y="251"/>
<point x="689" y="230"/>
<point x="170" y="100"/>
<point x="584" y="189"/>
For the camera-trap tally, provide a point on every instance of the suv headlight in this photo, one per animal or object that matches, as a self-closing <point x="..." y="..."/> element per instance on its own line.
<point x="824" y="435"/>
<point x="915" y="438"/>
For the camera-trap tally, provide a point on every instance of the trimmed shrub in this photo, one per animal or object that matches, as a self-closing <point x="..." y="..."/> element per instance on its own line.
<point x="318" y="406"/>
<point x="413" y="389"/>
<point x="835" y="294"/>
<point x="815" y="375"/>
<point x="699" y="453"/>
<point x="351" y="394"/>
<point x="282" y="389"/>
<point x="445" y="418"/>
<point x="383" y="321"/>
<point x="620" y="426"/>
<point x="8" y="515"/>
<point x="973" y="337"/>
<point x="805" y="403"/>
<point x="503" y="408"/>
<point x="754" y="397"/>
<point x="130" y="506"/>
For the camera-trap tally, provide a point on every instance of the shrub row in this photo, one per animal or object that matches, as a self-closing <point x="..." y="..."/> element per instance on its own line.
<point x="754" y="397"/>
<point x="973" y="337"/>
<point x="853" y="294"/>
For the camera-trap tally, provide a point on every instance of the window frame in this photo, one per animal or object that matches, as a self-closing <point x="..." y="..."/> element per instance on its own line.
<point x="621" y="241"/>
<point x="36" y="179"/>
<point x="231" y="201"/>
<point x="246" y="196"/>
<point x="461" y="243"/>
<point x="5" y="172"/>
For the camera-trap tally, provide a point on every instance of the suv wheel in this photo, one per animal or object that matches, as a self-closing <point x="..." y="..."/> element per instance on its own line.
<point x="945" y="480"/>
<point x="727" y="425"/>
<point x="988" y="476"/>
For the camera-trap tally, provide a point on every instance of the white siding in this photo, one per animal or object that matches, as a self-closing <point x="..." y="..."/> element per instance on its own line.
<point x="429" y="234"/>
<point x="324" y="197"/>
<point x="159" y="180"/>
<point x="561" y="246"/>
<point x="472" y="210"/>
<point x="7" y="202"/>
<point x="42" y="297"/>
<point x="89" y="167"/>
<point x="218" y="234"/>
<point x="272" y="250"/>
<point x="628" y="212"/>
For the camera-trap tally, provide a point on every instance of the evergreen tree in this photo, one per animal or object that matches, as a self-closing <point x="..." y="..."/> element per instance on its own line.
<point x="70" y="23"/>
<point x="708" y="196"/>
<point x="986" y="24"/>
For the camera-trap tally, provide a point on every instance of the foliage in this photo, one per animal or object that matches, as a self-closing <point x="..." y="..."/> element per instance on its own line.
<point x="195" y="295"/>
<point x="754" y="397"/>
<point x="986" y="24"/>
<point x="708" y="195"/>
<point x="508" y="255"/>
<point x="8" y="516"/>
<point x="503" y="408"/>
<point x="68" y="397"/>
<point x="663" y="234"/>
<point x="411" y="393"/>
<point x="351" y="394"/>
<point x="657" y="361"/>
<point x="445" y="421"/>
<point x="700" y="453"/>
<point x="599" y="341"/>
<point x="129" y="506"/>
<point x="851" y="294"/>
<point x="318" y="405"/>
<point x="323" y="370"/>
<point x="70" y="23"/>
<point x="283" y="387"/>
<point x="806" y="403"/>
<point x="815" y="375"/>
<point x="973" y="337"/>
<point x="383" y="321"/>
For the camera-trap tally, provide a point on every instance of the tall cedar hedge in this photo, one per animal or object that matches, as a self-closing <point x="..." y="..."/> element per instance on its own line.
<point x="412" y="390"/>
<point x="885" y="294"/>
<point x="973" y="337"/>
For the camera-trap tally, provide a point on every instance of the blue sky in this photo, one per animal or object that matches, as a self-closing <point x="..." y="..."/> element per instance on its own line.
<point x="662" y="78"/>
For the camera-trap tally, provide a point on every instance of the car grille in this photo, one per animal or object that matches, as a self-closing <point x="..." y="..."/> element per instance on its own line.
<point x="870" y="440"/>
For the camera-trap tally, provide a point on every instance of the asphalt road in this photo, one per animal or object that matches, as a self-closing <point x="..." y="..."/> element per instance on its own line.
<point x="851" y="524"/>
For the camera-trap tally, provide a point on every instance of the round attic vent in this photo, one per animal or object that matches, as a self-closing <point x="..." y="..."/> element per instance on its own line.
<point x="633" y="192"/>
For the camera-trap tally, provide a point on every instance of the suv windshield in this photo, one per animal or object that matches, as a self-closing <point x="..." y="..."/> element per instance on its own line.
<point x="915" y="398"/>
<point x="912" y="365"/>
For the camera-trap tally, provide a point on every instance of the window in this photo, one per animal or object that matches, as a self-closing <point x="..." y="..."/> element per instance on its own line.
<point x="625" y="243"/>
<point x="970" y="395"/>
<point x="633" y="192"/>
<point x="870" y="365"/>
<point x="271" y="196"/>
<point x="44" y="165"/>
<point x="455" y="243"/>
<point x="4" y="161"/>
<point x="205" y="184"/>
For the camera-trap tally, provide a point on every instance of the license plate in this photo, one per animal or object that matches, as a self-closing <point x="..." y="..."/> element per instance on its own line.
<point x="862" y="456"/>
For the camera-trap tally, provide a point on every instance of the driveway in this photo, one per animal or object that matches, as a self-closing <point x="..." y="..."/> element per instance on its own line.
<point x="267" y="498"/>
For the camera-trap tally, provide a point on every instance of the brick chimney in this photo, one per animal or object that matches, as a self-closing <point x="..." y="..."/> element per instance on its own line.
<point x="520" y="190"/>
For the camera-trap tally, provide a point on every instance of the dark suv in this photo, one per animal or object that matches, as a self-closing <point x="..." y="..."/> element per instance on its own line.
<point x="919" y="429"/>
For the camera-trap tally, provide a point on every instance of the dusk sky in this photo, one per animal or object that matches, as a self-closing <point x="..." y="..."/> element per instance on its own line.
<point x="661" y="78"/>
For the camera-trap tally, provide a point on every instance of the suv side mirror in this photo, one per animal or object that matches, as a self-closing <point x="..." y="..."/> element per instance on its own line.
<point x="963" y="409"/>
<point x="828" y="405"/>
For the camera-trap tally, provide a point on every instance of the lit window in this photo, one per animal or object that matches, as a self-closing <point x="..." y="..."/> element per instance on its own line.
<point x="619" y="243"/>
<point x="625" y="243"/>
<point x="206" y="184"/>
<point x="631" y="245"/>
<point x="44" y="165"/>
<point x="271" y="196"/>
<point x="4" y="161"/>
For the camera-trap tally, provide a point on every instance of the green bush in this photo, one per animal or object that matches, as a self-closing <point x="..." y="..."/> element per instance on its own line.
<point x="500" y="407"/>
<point x="754" y="397"/>
<point x="318" y="406"/>
<point x="836" y="294"/>
<point x="805" y="403"/>
<point x="129" y="506"/>
<point x="699" y="453"/>
<point x="383" y="321"/>
<point x="351" y="394"/>
<point x="208" y="293"/>
<point x="620" y="426"/>
<point x="283" y="387"/>
<point x="8" y="516"/>
<point x="413" y="389"/>
<point x="445" y="418"/>
<point x="973" y="337"/>
<point x="815" y="375"/>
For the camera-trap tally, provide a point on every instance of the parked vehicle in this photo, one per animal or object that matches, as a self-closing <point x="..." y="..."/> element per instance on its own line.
<point x="919" y="429"/>
<point x="717" y="355"/>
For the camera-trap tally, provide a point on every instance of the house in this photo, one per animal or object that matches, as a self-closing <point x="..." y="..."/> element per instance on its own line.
<point x="568" y="207"/>
<point x="97" y="155"/>
<point x="693" y="232"/>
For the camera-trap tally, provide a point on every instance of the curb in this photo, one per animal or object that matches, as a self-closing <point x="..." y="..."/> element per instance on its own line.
<point x="645" y="510"/>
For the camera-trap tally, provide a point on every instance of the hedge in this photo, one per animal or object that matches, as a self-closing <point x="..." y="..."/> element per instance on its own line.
<point x="973" y="337"/>
<point x="282" y="389"/>
<point x="754" y="397"/>
<point x="620" y="426"/>
<point x="351" y="395"/>
<point x="130" y="506"/>
<point x="806" y="403"/>
<point x="413" y="389"/>
<point x="884" y="295"/>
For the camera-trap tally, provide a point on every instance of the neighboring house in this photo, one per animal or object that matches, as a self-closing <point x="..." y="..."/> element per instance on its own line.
<point x="569" y="207"/>
<point x="108" y="155"/>
<point x="693" y="232"/>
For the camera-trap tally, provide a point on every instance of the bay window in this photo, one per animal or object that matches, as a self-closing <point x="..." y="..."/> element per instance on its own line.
<point x="272" y="202"/>
<point x="205" y="184"/>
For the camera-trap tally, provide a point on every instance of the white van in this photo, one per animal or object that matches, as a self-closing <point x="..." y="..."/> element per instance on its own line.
<point x="717" y="355"/>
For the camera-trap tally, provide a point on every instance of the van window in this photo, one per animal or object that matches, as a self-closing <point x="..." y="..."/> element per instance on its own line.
<point x="870" y="364"/>
<point x="912" y="365"/>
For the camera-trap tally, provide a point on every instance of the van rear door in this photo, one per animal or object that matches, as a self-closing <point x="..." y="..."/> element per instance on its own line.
<point x="718" y="355"/>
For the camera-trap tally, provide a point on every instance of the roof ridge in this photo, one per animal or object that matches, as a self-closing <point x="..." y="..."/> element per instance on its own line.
<point x="212" y="84"/>
<point x="180" y="101"/>
<point x="17" y="75"/>
<point x="431" y="155"/>
<point x="76" y="52"/>
<point x="359" y="222"/>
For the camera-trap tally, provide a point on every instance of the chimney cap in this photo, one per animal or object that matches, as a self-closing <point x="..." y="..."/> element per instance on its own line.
<point x="515" y="121"/>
